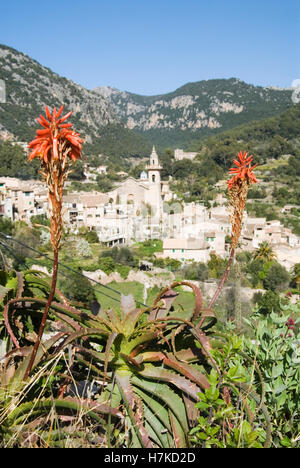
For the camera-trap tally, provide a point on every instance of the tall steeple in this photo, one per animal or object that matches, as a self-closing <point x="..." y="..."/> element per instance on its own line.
<point x="154" y="169"/>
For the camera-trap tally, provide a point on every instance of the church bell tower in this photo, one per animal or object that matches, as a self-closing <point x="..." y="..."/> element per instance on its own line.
<point x="154" y="179"/>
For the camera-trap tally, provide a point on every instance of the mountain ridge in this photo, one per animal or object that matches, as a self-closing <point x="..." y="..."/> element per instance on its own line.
<point x="194" y="110"/>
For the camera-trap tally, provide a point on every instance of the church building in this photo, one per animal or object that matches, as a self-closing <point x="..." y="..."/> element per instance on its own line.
<point x="148" y="190"/>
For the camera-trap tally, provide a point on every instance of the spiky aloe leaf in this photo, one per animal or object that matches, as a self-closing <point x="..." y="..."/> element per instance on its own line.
<point x="125" y="388"/>
<point x="80" y="334"/>
<point x="111" y="396"/>
<point x="42" y="406"/>
<point x="187" y="370"/>
<point x="160" y="374"/>
<point x="156" y="406"/>
<point x="129" y="314"/>
<point x="134" y="343"/>
<point x="20" y="287"/>
<point x="81" y="317"/>
<point x="111" y="338"/>
<point x="166" y="397"/>
<point x="43" y="349"/>
<point x="198" y="297"/>
<point x="162" y="303"/>
<point x="4" y="291"/>
<point x="114" y="320"/>
<point x="182" y="367"/>
<point x="178" y="433"/>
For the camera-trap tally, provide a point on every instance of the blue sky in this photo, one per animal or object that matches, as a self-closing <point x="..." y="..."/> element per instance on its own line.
<point x="154" y="46"/>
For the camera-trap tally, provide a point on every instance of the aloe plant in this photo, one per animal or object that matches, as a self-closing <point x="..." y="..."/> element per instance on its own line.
<point x="148" y="364"/>
<point x="23" y="400"/>
<point x="135" y="359"/>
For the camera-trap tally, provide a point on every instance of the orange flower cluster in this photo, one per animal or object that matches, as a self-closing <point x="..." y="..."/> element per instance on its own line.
<point x="238" y="187"/>
<point x="243" y="171"/>
<point x="55" y="137"/>
<point x="56" y="145"/>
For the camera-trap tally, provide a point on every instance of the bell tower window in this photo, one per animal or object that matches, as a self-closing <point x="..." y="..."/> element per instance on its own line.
<point x="153" y="177"/>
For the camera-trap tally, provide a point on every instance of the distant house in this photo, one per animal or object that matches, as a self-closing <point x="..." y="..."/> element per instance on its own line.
<point x="185" y="250"/>
<point x="179" y="154"/>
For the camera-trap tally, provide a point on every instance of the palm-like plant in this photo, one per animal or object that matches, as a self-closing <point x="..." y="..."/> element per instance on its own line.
<point x="264" y="252"/>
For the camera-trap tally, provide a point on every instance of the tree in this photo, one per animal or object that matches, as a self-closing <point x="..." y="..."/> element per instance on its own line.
<point x="92" y="237"/>
<point x="253" y="269"/>
<point x="277" y="278"/>
<point x="77" y="287"/>
<point x="14" y="163"/>
<point x="83" y="248"/>
<point x="195" y="271"/>
<point x="28" y="237"/>
<point x="264" y="252"/>
<point x="183" y="168"/>
<point x="104" y="184"/>
<point x="77" y="172"/>
<point x="216" y="266"/>
<point x="6" y="225"/>
<point x="122" y="255"/>
<point x="279" y="146"/>
<point x="40" y="219"/>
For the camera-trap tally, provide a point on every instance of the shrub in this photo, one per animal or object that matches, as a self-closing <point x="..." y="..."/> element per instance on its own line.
<point x="92" y="237"/>
<point x="123" y="270"/>
<point x="268" y="302"/>
<point x="276" y="349"/>
<point x="195" y="271"/>
<point x="107" y="264"/>
<point x="277" y="278"/>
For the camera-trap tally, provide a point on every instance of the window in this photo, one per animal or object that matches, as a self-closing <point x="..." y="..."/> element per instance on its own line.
<point x="173" y="250"/>
<point x="153" y="177"/>
<point x="182" y="250"/>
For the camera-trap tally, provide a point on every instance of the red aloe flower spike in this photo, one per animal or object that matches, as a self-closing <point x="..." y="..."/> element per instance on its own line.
<point x="238" y="187"/>
<point x="55" y="145"/>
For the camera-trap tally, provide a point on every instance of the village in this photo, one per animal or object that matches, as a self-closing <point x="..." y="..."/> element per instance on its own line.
<point x="146" y="208"/>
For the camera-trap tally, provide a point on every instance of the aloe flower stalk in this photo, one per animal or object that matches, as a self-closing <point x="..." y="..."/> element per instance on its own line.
<point x="56" y="145"/>
<point x="238" y="187"/>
